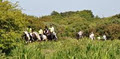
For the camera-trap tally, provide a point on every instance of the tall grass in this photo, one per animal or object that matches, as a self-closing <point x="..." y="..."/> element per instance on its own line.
<point x="68" y="49"/>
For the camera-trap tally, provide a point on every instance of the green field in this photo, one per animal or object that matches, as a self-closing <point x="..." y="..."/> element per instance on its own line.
<point x="68" y="48"/>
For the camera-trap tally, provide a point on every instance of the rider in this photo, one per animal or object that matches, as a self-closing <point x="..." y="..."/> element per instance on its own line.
<point x="29" y="29"/>
<point x="51" y="28"/>
<point x="41" y="33"/>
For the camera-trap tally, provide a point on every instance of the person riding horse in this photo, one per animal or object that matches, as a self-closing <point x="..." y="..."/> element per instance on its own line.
<point x="50" y="33"/>
<point x="29" y="29"/>
<point x="51" y="30"/>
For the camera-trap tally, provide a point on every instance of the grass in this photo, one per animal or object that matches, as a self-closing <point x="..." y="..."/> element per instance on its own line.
<point x="68" y="48"/>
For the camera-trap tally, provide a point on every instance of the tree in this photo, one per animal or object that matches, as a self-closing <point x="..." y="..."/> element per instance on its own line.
<point x="54" y="13"/>
<point x="86" y="14"/>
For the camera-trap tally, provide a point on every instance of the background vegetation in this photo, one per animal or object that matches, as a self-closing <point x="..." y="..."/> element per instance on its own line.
<point x="13" y="22"/>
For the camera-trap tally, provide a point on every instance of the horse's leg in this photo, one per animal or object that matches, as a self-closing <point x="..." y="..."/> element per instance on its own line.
<point x="45" y="39"/>
<point x="26" y="39"/>
<point x="32" y="39"/>
<point x="49" y="37"/>
<point x="42" y="37"/>
<point x="54" y="37"/>
<point x="79" y="37"/>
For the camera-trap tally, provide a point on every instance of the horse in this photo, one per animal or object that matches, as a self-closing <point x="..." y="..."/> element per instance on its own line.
<point x="36" y="36"/>
<point x="44" y="37"/>
<point x="79" y="35"/>
<point x="52" y="36"/>
<point x="26" y="36"/>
